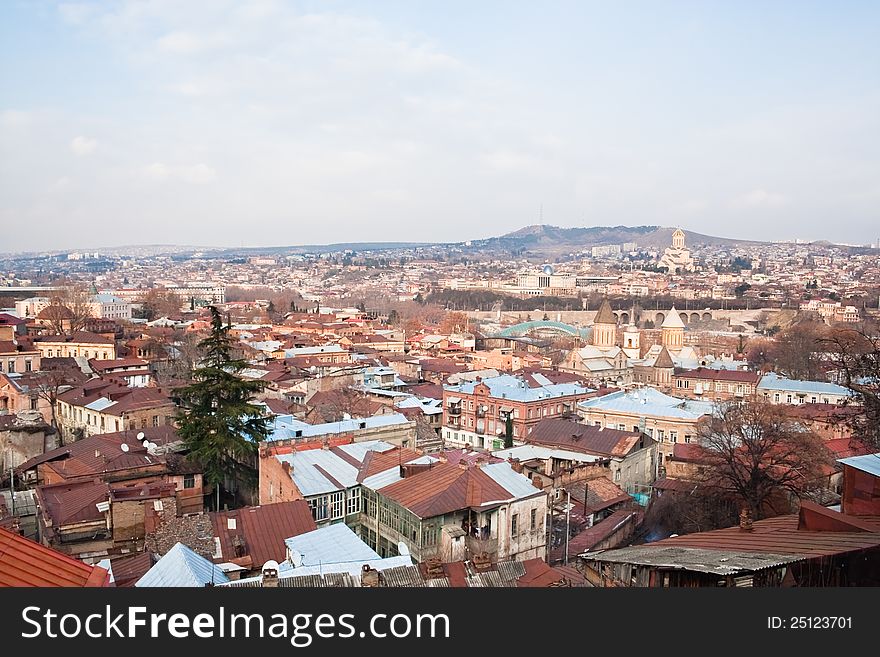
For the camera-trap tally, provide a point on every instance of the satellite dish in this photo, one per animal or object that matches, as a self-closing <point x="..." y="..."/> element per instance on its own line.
<point x="402" y="549"/>
<point x="346" y="416"/>
<point x="140" y="435"/>
<point x="151" y="446"/>
<point x="123" y="447"/>
<point x="296" y="557"/>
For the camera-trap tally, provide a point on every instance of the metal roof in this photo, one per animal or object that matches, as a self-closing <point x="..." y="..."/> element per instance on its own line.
<point x="514" y="388"/>
<point x="514" y="482"/>
<point x="286" y="427"/>
<point x="527" y="452"/>
<point x="649" y="402"/>
<point x="772" y="381"/>
<point x="181" y="566"/>
<point x="328" y="545"/>
<point x="869" y="463"/>
<point x="26" y="563"/>
<point x="704" y="560"/>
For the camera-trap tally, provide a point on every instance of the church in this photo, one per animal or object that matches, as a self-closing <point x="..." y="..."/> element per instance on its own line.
<point x="603" y="362"/>
<point x="677" y="258"/>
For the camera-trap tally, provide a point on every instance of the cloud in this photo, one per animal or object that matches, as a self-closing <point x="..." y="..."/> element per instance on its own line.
<point x="83" y="146"/>
<point x="188" y="43"/>
<point x="196" y="174"/>
<point x="760" y="198"/>
<point x="76" y="13"/>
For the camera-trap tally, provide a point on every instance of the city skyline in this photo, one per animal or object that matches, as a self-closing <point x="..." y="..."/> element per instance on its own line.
<point x="258" y="123"/>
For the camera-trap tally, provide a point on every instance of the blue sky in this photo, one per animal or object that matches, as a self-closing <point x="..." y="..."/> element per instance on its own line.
<point x="270" y="122"/>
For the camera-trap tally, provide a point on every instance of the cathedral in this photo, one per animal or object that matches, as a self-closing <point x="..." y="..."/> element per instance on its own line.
<point x="677" y="258"/>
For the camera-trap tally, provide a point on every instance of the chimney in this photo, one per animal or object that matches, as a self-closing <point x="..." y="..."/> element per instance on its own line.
<point x="463" y="464"/>
<point x="370" y="577"/>
<point x="515" y="464"/>
<point x="745" y="520"/>
<point x="285" y="465"/>
<point x="575" y="436"/>
<point x="269" y="578"/>
<point x="325" y="444"/>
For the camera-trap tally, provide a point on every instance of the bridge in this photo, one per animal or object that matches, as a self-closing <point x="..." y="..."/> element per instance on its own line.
<point x="539" y="326"/>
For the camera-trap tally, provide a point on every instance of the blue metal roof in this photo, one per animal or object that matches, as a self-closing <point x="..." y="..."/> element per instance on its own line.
<point x="649" y="402"/>
<point x="772" y="381"/>
<point x="332" y="544"/>
<point x="514" y="388"/>
<point x="182" y="567"/>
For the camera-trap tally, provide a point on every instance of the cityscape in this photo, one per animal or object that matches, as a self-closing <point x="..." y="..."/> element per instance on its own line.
<point x="329" y="297"/>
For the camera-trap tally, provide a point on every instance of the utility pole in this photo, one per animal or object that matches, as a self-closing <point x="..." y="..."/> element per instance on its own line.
<point x="567" y="523"/>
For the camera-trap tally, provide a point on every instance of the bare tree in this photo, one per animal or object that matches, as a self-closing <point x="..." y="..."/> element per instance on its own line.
<point x="856" y="354"/>
<point x="50" y="383"/>
<point x="183" y="355"/>
<point x="157" y="302"/>
<point x="760" y="456"/>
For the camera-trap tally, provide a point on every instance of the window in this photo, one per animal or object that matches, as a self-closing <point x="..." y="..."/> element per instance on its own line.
<point x="621" y="427"/>
<point x="29" y="366"/>
<point x="354" y="501"/>
<point x="143" y="423"/>
<point x="788" y="398"/>
<point x="687" y="438"/>
<point x="33" y="403"/>
<point x="155" y="420"/>
<point x="337" y="504"/>
<point x="157" y="505"/>
<point x="617" y="475"/>
<point x="86" y="354"/>
<point x="10" y="366"/>
<point x="673" y="436"/>
<point x="514" y="519"/>
<point x="189" y="481"/>
<point x="776" y="397"/>
<point x="661" y="435"/>
<point x="812" y="399"/>
<point x="533" y="519"/>
<point x="231" y="523"/>
<point x="318" y="505"/>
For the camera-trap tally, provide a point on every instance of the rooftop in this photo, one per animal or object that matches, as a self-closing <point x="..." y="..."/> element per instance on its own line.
<point x="649" y="402"/>
<point x="26" y="563"/>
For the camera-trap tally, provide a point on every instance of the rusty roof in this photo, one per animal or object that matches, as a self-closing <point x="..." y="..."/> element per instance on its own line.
<point x="129" y="569"/>
<point x="68" y="503"/>
<point x="261" y="530"/>
<point x="584" y="438"/>
<point x="601" y="493"/>
<point x="445" y="488"/>
<point x="376" y="462"/>
<point x="26" y="563"/>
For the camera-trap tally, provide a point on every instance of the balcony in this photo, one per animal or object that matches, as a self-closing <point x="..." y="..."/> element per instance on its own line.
<point x="479" y="545"/>
<point x="454" y="411"/>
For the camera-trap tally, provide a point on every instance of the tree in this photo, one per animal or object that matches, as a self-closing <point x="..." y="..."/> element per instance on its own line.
<point x="757" y="454"/>
<point x="856" y="353"/>
<point x="218" y="423"/>
<point x="508" y="430"/>
<point x="454" y="322"/>
<point x="741" y="289"/>
<point x="69" y="311"/>
<point x="156" y="303"/>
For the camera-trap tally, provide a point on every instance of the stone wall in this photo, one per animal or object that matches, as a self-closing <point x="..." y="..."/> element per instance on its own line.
<point x="164" y="529"/>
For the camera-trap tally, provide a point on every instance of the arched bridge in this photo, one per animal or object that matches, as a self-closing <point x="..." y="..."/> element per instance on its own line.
<point x="539" y="326"/>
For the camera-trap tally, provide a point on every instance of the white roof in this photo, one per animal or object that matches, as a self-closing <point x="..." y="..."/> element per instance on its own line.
<point x="869" y="463"/>
<point x="673" y="320"/>
<point x="307" y="466"/>
<point x="286" y="426"/>
<point x="649" y="402"/>
<point x="517" y="484"/>
<point x="527" y="452"/>
<point x="100" y="404"/>
<point x="182" y="567"/>
<point x="332" y="544"/>
<point x="354" y="569"/>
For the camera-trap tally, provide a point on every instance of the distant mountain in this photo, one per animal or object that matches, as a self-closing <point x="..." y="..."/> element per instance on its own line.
<point x="551" y="240"/>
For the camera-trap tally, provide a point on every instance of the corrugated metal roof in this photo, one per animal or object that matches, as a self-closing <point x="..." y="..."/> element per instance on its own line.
<point x="726" y="562"/>
<point x="26" y="563"/>
<point x="507" y="386"/>
<point x="263" y="530"/>
<point x="181" y="567"/>
<point x="516" y="483"/>
<point x="328" y="545"/>
<point x="528" y="452"/>
<point x="869" y="463"/>
<point x="649" y="402"/>
<point x="772" y="381"/>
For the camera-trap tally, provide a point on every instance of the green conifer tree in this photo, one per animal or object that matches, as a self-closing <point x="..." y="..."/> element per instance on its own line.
<point x="218" y="423"/>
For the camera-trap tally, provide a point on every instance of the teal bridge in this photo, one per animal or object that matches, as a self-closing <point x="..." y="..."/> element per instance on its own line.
<point x="535" y="326"/>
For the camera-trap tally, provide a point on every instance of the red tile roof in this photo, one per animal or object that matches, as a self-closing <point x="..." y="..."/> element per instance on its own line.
<point x="262" y="530"/>
<point x="25" y="563"/>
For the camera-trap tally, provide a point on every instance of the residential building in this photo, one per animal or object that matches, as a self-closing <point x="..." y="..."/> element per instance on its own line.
<point x="718" y="385"/>
<point x="668" y="420"/>
<point x="475" y="413"/>
<point x="82" y="344"/>
<point x="104" y="405"/>
<point x="18" y="358"/>
<point x="781" y="390"/>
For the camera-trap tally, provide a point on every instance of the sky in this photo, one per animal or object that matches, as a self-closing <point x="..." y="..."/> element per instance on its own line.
<point x="274" y="122"/>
